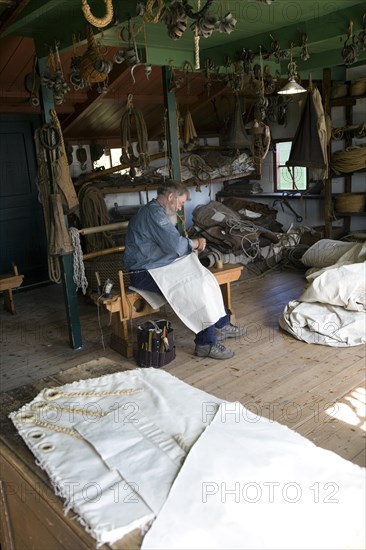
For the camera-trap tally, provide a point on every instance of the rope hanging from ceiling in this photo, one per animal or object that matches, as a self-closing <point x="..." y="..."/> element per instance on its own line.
<point x="98" y="22"/>
<point x="79" y="277"/>
<point x="148" y="15"/>
<point x="129" y="115"/>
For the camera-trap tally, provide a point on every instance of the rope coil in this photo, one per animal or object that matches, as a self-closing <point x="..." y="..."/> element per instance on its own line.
<point x="249" y="233"/>
<point x="350" y="160"/>
<point x="98" y="22"/>
<point x="129" y="115"/>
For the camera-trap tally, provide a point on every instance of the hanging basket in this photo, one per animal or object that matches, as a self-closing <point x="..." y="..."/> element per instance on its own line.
<point x="90" y="59"/>
<point x="350" y="202"/>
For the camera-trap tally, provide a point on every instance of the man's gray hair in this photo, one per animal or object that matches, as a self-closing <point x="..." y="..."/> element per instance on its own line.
<point x="171" y="186"/>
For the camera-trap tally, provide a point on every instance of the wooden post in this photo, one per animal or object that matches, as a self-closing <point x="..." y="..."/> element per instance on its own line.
<point x="328" y="181"/>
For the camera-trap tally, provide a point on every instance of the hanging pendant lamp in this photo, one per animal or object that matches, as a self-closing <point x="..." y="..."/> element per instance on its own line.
<point x="292" y="86"/>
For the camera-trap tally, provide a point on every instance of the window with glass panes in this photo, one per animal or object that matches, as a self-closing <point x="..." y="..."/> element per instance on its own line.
<point x="293" y="178"/>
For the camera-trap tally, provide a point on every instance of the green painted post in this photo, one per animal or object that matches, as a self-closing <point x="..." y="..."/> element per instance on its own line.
<point x="70" y="298"/>
<point x="172" y="137"/>
<point x="66" y="260"/>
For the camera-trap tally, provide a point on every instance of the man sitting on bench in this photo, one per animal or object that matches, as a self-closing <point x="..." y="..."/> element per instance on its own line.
<point x="153" y="241"/>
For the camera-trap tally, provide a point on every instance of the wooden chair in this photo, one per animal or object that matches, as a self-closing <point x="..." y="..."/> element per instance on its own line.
<point x="7" y="284"/>
<point x="128" y="305"/>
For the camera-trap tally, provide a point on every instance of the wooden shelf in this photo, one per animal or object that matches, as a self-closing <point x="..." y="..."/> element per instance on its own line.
<point x="346" y="214"/>
<point x="349" y="102"/>
<point x="279" y="195"/>
<point x="107" y="189"/>
<point x="346" y="101"/>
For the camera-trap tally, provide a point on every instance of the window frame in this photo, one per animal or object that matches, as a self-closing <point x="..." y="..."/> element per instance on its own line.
<point x="277" y="166"/>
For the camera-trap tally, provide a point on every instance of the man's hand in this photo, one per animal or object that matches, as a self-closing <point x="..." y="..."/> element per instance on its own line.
<point x="199" y="244"/>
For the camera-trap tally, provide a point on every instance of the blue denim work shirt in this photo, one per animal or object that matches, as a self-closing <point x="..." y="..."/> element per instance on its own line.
<point x="152" y="240"/>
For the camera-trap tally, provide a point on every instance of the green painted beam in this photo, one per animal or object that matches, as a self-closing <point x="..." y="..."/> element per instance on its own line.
<point x="171" y="113"/>
<point x="318" y="30"/>
<point x="334" y="60"/>
<point x="169" y="57"/>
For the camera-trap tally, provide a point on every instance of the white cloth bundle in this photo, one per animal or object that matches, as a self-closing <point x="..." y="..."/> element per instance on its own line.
<point x="332" y="309"/>
<point x="327" y="252"/>
<point x="338" y="285"/>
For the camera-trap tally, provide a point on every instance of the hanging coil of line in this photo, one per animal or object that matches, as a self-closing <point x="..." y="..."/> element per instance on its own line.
<point x="98" y="22"/>
<point x="149" y="14"/>
<point x="132" y="115"/>
<point x="94" y="213"/>
<point x="54" y="269"/>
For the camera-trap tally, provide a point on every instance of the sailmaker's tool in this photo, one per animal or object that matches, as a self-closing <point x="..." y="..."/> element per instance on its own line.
<point x="284" y="202"/>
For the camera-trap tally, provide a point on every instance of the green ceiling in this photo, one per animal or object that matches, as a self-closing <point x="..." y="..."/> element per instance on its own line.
<point x="324" y="22"/>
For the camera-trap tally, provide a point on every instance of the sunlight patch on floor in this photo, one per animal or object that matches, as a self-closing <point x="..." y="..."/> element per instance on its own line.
<point x="353" y="411"/>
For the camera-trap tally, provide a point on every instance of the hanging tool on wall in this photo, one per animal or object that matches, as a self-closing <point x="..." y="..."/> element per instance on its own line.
<point x="32" y="83"/>
<point x="284" y="202"/>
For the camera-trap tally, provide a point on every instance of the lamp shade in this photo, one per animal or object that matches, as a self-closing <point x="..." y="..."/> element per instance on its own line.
<point x="292" y="87"/>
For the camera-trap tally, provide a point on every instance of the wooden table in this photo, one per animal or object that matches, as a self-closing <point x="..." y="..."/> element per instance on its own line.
<point x="31" y="515"/>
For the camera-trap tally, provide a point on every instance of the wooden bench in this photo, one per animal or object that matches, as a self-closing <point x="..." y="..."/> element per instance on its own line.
<point x="7" y="284"/>
<point x="128" y="305"/>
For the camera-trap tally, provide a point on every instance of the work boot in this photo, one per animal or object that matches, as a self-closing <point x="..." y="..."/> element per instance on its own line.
<point x="228" y="331"/>
<point x="215" y="351"/>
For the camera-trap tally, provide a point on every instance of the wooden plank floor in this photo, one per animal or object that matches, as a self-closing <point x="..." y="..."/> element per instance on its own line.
<point x="317" y="390"/>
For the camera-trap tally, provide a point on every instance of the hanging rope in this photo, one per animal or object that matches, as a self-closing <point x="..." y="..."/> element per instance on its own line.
<point x="191" y="140"/>
<point x="197" y="65"/>
<point x="98" y="22"/>
<point x="350" y="48"/>
<point x="79" y="272"/>
<point x="149" y="15"/>
<point x="54" y="269"/>
<point x="131" y="113"/>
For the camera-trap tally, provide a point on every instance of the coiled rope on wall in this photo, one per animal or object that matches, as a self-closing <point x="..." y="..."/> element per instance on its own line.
<point x="350" y="160"/>
<point x="93" y="213"/>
